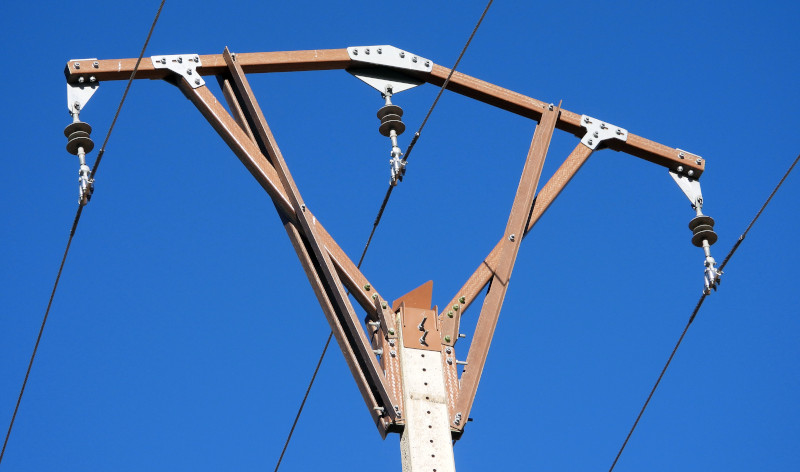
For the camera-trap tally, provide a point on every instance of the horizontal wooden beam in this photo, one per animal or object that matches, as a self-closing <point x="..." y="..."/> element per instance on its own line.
<point x="327" y="59"/>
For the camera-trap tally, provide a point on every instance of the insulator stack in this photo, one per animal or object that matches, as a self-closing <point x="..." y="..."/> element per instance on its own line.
<point x="391" y="119"/>
<point x="702" y="230"/>
<point x="77" y="134"/>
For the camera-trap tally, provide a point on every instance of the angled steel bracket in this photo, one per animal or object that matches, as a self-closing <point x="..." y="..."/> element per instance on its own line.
<point x="185" y="65"/>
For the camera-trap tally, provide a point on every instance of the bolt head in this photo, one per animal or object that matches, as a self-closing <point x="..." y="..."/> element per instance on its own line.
<point x="92" y="79"/>
<point x="603" y="126"/>
<point x="447" y="338"/>
<point x="681" y="155"/>
<point x="355" y="52"/>
<point x="511" y="237"/>
<point x="680" y="169"/>
<point x="180" y="60"/>
<point x="456" y="307"/>
<point x="96" y="65"/>
<point x="462" y="299"/>
<point x="586" y="120"/>
<point x="367" y="287"/>
<point x="699" y="161"/>
<point x="414" y="59"/>
<point x="188" y="71"/>
<point x="450" y="314"/>
<point x="374" y="296"/>
<point x="77" y="65"/>
<point x="691" y="172"/>
<point x="197" y="81"/>
<point x="402" y="54"/>
<point x="366" y="51"/>
<point x="81" y="80"/>
<point x="391" y="331"/>
<point x="380" y="51"/>
<point x="383" y="305"/>
<point x="427" y="63"/>
<point x="619" y="132"/>
<point x="590" y="142"/>
<point x="596" y="134"/>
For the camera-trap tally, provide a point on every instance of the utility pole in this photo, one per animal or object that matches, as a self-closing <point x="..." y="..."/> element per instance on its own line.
<point x="402" y="357"/>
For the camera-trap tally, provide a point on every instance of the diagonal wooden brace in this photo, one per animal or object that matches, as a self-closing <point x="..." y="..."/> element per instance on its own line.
<point x="339" y="311"/>
<point x="515" y="229"/>
<point x="483" y="274"/>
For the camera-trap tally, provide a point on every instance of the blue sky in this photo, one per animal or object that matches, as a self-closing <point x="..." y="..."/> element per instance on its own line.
<point x="184" y="331"/>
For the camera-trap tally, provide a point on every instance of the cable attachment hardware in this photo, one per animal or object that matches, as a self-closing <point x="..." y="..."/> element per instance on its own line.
<point x="702" y="228"/>
<point x="78" y="144"/>
<point x="598" y="131"/>
<point x="392" y="126"/>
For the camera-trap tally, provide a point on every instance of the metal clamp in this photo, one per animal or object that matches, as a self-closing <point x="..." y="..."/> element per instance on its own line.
<point x="184" y="65"/>
<point x="598" y="131"/>
<point x="389" y="56"/>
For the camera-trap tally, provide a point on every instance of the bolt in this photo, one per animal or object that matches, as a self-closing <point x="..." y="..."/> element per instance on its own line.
<point x="393" y="353"/>
<point x="92" y="79"/>
<point x="303" y="207"/>
<point x="355" y="52"/>
<point x="188" y="71"/>
<point x="448" y="349"/>
<point x="590" y="142"/>
<point x="383" y="305"/>
<point x="586" y="120"/>
<point x="96" y="65"/>
<point x="391" y="331"/>
<point x="81" y="80"/>
<point x="550" y="107"/>
<point x="511" y="237"/>
<point x="163" y="60"/>
<point x="680" y="169"/>
<point x="447" y="339"/>
<point x="449" y="361"/>
<point x="619" y="132"/>
<point x="414" y="59"/>
<point x="391" y="342"/>
<point x="427" y="63"/>
<point x="77" y="65"/>
<point x="197" y="58"/>
<point x="456" y="307"/>
<point x="367" y="287"/>
<point x="462" y="300"/>
<point x="380" y="51"/>
<point x="462" y="335"/>
<point x="180" y="60"/>
<point x="596" y="134"/>
<point x="197" y="81"/>
<point x="450" y="314"/>
<point x="366" y="51"/>
<point x="691" y="172"/>
<point x="374" y="296"/>
<point x="603" y="126"/>
<point x="681" y="155"/>
<point x="402" y="54"/>
<point x="699" y="161"/>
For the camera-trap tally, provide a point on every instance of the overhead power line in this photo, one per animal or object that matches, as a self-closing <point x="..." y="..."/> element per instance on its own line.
<point x="378" y="220"/>
<point x="72" y="234"/>
<point x="697" y="309"/>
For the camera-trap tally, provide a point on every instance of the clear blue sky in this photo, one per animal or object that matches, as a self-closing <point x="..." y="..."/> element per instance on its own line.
<point x="184" y="331"/>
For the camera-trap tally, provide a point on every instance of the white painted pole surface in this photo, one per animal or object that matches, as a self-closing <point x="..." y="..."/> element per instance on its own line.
<point x="426" y="444"/>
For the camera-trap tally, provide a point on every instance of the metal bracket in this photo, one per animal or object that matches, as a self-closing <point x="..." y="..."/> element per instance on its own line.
<point x="389" y="56"/>
<point x="385" y="80"/>
<point x="598" y="131"/>
<point x="690" y="188"/>
<point x="184" y="65"/>
<point x="78" y="94"/>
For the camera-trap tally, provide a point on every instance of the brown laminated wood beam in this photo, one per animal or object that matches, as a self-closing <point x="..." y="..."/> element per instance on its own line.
<point x="483" y="274"/>
<point x="512" y="238"/>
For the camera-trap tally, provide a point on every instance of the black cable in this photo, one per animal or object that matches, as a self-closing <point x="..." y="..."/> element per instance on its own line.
<point x="697" y="308"/>
<point x="380" y="214"/>
<point x="41" y="328"/>
<point x="125" y="94"/>
<point x="424" y="121"/>
<point x="72" y="234"/>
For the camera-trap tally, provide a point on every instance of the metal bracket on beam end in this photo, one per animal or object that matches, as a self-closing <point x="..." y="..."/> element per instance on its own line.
<point x="184" y="65"/>
<point x="78" y="95"/>
<point x="598" y="131"/>
<point x="389" y="56"/>
<point x="690" y="188"/>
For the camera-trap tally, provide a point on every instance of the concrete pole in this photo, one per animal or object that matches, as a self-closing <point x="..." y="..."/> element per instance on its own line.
<point x="426" y="444"/>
